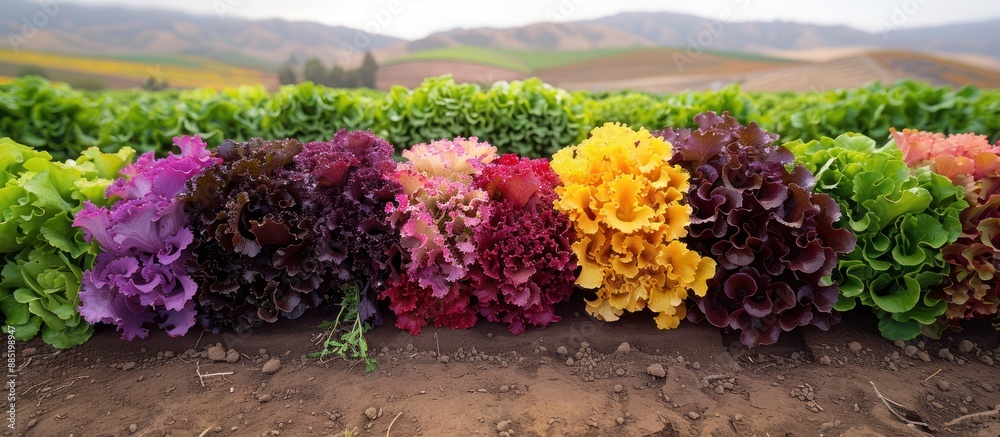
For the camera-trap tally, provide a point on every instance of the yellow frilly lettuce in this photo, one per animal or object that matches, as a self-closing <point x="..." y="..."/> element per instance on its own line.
<point x="627" y="204"/>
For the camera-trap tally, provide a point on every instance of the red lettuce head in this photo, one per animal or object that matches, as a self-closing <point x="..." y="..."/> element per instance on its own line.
<point x="526" y="262"/>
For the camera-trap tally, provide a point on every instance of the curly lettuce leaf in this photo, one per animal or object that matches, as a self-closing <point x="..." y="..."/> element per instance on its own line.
<point x="776" y="242"/>
<point x="903" y="220"/>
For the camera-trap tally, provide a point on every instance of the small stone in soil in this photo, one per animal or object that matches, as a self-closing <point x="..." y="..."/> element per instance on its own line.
<point x="266" y="397"/>
<point x="569" y="361"/>
<point x="371" y="413"/>
<point x="562" y="350"/>
<point x="854" y="347"/>
<point x="503" y="426"/>
<point x="966" y="346"/>
<point x="619" y="420"/>
<point x="232" y="356"/>
<point x="272" y="366"/>
<point x="910" y="350"/>
<point x="738" y="417"/>
<point x="129" y="365"/>
<point x="694" y="416"/>
<point x="618" y="388"/>
<point x="133" y="428"/>
<point x="504" y="389"/>
<point x="656" y="370"/>
<point x="217" y="353"/>
<point x="624" y="348"/>
<point x="444" y="359"/>
<point x="944" y="385"/>
<point x="924" y="356"/>
<point x="945" y="354"/>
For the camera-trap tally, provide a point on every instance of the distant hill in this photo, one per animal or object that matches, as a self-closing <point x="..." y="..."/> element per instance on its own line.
<point x="117" y="30"/>
<point x="679" y="30"/>
<point x="120" y="46"/>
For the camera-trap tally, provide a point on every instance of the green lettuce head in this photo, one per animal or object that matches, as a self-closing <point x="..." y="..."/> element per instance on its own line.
<point x="902" y="220"/>
<point x="39" y="293"/>
<point x="43" y="254"/>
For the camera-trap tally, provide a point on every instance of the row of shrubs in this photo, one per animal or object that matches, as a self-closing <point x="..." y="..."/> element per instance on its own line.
<point x="527" y="117"/>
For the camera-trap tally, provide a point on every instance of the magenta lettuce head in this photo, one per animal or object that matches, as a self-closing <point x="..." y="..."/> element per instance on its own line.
<point x="141" y="278"/>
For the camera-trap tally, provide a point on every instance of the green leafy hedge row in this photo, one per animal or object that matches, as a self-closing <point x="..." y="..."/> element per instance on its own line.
<point x="529" y="117"/>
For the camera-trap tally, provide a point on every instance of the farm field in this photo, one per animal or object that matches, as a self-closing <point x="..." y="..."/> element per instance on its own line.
<point x="812" y="383"/>
<point x="189" y="292"/>
<point x="674" y="69"/>
<point x="130" y="71"/>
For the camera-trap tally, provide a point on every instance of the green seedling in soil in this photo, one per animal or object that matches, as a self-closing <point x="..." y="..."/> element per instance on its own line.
<point x="345" y="335"/>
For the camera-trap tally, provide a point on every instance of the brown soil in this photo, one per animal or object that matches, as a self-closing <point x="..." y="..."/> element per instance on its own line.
<point x="574" y="378"/>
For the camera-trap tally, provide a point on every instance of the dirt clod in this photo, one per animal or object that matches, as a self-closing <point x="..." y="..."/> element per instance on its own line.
<point x="217" y="353"/>
<point x="272" y="366"/>
<point x="624" y="348"/>
<point x="966" y="346"/>
<point x="371" y="413"/>
<point x="656" y="370"/>
<point x="945" y="354"/>
<point x="232" y="356"/>
<point x="503" y="426"/>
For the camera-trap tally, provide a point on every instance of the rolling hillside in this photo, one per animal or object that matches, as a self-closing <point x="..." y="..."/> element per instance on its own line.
<point x="116" y="30"/>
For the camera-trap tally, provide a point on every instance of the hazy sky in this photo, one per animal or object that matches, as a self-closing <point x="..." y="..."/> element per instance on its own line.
<point x="412" y="19"/>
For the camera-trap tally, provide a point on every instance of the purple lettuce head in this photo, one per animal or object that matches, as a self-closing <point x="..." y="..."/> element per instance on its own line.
<point x="774" y="240"/>
<point x="355" y="180"/>
<point x="141" y="277"/>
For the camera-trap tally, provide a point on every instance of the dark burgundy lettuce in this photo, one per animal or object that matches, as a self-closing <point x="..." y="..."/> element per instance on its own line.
<point x="355" y="179"/>
<point x="284" y="226"/>
<point x="774" y="240"/>
<point x="258" y="252"/>
<point x="525" y="260"/>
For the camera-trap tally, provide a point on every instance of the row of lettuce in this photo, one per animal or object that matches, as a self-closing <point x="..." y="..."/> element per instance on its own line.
<point x="717" y="224"/>
<point x="528" y="118"/>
